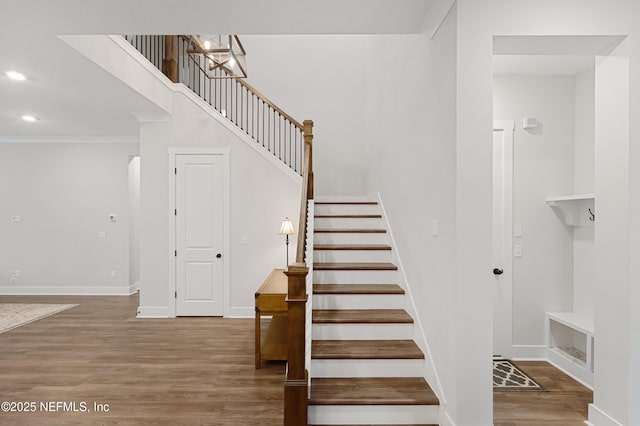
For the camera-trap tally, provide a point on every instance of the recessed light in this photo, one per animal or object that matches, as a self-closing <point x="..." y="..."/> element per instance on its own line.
<point x="29" y="118"/>
<point x="15" y="75"/>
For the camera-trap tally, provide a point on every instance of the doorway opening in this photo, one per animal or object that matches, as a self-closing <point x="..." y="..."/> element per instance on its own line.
<point x="547" y="86"/>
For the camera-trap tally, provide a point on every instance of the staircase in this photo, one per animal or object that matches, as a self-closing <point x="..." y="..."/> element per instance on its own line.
<point x="365" y="368"/>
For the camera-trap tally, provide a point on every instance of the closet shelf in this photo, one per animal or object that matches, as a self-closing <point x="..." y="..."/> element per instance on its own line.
<point x="573" y="197"/>
<point x="575" y="209"/>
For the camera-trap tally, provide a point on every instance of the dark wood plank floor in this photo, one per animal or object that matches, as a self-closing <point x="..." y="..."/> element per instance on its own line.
<point x="564" y="405"/>
<point x="186" y="371"/>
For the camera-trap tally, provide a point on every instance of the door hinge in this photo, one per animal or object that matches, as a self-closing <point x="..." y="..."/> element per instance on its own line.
<point x="175" y="253"/>
<point x="175" y="294"/>
<point x="175" y="171"/>
<point x="175" y="212"/>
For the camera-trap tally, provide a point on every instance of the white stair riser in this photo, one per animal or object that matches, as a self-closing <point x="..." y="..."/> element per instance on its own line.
<point x="373" y="414"/>
<point x="355" y="277"/>
<point x="359" y="301"/>
<point x="352" y="255"/>
<point x="350" y="223"/>
<point x="337" y="209"/>
<point x="350" y="238"/>
<point x="366" y="367"/>
<point x="362" y="331"/>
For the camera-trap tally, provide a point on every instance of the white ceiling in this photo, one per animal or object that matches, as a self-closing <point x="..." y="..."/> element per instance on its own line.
<point x="72" y="96"/>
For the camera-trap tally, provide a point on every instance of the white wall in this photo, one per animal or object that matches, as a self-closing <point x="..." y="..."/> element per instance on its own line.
<point x="612" y="235"/>
<point x="478" y="23"/>
<point x="542" y="167"/>
<point x="64" y="193"/>
<point x="410" y="133"/>
<point x="261" y="195"/>
<point x="134" y="221"/>
<point x="320" y="78"/>
<point x="583" y="236"/>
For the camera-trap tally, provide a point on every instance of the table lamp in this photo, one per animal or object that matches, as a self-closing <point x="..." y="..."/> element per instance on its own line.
<point x="287" y="229"/>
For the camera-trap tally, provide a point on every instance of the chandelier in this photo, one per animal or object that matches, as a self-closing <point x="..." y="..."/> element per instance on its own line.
<point x="218" y="56"/>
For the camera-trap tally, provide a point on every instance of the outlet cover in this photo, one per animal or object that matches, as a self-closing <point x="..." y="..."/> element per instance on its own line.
<point x="517" y="230"/>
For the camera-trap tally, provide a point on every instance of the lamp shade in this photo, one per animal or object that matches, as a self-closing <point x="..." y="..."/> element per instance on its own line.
<point x="287" y="227"/>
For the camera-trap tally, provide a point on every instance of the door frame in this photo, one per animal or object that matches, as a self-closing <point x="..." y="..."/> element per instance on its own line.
<point x="224" y="153"/>
<point x="508" y="128"/>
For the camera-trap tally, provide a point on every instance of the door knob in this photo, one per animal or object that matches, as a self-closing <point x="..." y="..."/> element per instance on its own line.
<point x="497" y="271"/>
<point x="219" y="255"/>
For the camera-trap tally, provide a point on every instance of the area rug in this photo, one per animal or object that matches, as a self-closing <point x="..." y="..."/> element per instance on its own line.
<point x="508" y="377"/>
<point x="14" y="315"/>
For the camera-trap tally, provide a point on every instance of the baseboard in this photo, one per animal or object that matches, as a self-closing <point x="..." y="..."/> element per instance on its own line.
<point x="445" y="418"/>
<point x="165" y="312"/>
<point x="420" y="336"/>
<point x="236" y="312"/>
<point x="528" y="352"/>
<point x="67" y="291"/>
<point x="597" y="417"/>
<point x="153" y="312"/>
<point x="570" y="374"/>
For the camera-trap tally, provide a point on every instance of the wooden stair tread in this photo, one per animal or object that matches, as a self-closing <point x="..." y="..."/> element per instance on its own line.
<point x="365" y="349"/>
<point x="355" y="266"/>
<point x="346" y="202"/>
<point x="357" y="289"/>
<point x="371" y="391"/>
<point x="351" y="247"/>
<point x="361" y="316"/>
<point x="349" y="230"/>
<point x="348" y="216"/>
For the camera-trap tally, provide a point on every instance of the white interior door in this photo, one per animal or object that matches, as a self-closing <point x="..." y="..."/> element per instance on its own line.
<point x="502" y="236"/>
<point x="199" y="180"/>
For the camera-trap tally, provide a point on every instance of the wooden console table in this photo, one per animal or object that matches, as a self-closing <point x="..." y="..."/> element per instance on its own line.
<point x="270" y="300"/>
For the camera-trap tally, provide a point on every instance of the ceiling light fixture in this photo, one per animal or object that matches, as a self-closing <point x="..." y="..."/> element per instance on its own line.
<point x="29" y="118"/>
<point x="218" y="56"/>
<point x="15" y="75"/>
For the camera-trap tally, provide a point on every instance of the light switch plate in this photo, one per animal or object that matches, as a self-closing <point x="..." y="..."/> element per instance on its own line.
<point x="244" y="240"/>
<point x="102" y="234"/>
<point x="434" y="227"/>
<point x="517" y="250"/>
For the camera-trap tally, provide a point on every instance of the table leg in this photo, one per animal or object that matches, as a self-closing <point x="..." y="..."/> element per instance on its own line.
<point x="257" y="332"/>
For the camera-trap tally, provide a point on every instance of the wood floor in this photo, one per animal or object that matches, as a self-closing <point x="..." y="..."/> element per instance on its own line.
<point x="187" y="371"/>
<point x="564" y="405"/>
